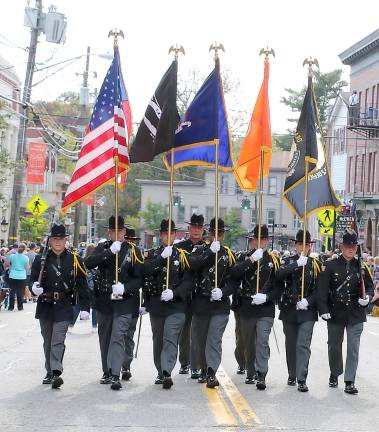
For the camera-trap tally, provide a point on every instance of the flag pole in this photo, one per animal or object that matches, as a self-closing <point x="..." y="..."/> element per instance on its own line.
<point x="116" y="33"/>
<point x="260" y="211"/>
<point x="310" y="62"/>
<point x="216" y="47"/>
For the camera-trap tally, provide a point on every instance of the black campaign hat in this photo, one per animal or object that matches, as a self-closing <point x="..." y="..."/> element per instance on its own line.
<point x="164" y="225"/>
<point x="58" y="231"/>
<point x="131" y="234"/>
<point x="299" y="237"/>
<point x="350" y="237"/>
<point x="254" y="234"/>
<point x="197" y="220"/>
<point x="112" y="223"/>
<point x="221" y="225"/>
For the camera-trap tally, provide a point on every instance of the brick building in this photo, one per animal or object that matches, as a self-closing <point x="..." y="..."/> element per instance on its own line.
<point x="362" y="136"/>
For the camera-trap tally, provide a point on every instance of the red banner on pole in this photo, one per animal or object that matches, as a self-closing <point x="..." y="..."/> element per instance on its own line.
<point x="36" y="163"/>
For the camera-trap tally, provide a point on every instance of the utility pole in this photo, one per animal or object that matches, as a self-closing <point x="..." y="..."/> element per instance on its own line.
<point x="83" y="108"/>
<point x="21" y="142"/>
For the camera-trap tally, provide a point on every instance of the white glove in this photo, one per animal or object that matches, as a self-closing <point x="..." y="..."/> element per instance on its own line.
<point x="142" y="310"/>
<point x="118" y="289"/>
<point x="115" y="247"/>
<point x="167" y="252"/>
<point x="36" y="289"/>
<point x="326" y="316"/>
<point x="167" y="295"/>
<point x="257" y="255"/>
<point x="302" y="261"/>
<point x="364" y="302"/>
<point x="302" y="304"/>
<point x="259" y="299"/>
<point x="215" y="246"/>
<point x="216" y="294"/>
<point x="84" y="315"/>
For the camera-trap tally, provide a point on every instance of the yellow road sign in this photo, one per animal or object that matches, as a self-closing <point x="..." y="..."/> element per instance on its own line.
<point x="37" y="205"/>
<point x="326" y="231"/>
<point x="326" y="217"/>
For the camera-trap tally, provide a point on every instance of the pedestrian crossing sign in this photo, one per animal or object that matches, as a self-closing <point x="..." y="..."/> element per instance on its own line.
<point x="37" y="205"/>
<point x="326" y="217"/>
<point x="326" y="231"/>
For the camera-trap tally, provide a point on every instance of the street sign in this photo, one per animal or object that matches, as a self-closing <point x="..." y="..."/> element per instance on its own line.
<point x="280" y="226"/>
<point x="326" y="217"/>
<point x="344" y="222"/>
<point x="326" y="231"/>
<point x="37" y="205"/>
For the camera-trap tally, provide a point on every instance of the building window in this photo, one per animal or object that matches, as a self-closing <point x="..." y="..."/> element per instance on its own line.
<point x="222" y="212"/>
<point x="272" y="183"/>
<point x="224" y="184"/>
<point x="270" y="217"/>
<point x="194" y="209"/>
<point x="181" y="212"/>
<point x="296" y="223"/>
<point x="373" y="188"/>
<point x="208" y="213"/>
<point x="369" y="172"/>
<point x="253" y="217"/>
<point x="237" y="189"/>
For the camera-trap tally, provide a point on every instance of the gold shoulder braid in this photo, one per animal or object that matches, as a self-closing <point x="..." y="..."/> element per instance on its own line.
<point x="231" y="257"/>
<point x="135" y="255"/>
<point x="275" y="261"/>
<point x="316" y="268"/>
<point x="369" y="271"/>
<point x="183" y="260"/>
<point x="77" y="265"/>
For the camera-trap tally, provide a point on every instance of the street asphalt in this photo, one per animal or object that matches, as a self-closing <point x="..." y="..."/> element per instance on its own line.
<point x="82" y="404"/>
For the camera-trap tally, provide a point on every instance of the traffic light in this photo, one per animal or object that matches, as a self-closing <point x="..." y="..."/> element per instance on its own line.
<point x="177" y="200"/>
<point x="245" y="204"/>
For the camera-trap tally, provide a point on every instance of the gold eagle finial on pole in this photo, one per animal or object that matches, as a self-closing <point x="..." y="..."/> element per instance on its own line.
<point x="311" y="62"/>
<point x="176" y="49"/>
<point x="116" y="33"/>
<point x="267" y="52"/>
<point x="216" y="47"/>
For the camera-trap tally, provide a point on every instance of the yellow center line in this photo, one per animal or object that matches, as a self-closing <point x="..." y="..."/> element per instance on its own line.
<point x="219" y="407"/>
<point x="239" y="403"/>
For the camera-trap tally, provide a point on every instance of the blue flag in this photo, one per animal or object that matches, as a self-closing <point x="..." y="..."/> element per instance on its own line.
<point x="205" y="121"/>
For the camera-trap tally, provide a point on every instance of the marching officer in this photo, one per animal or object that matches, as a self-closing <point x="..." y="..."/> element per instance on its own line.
<point x="256" y="304"/>
<point x="186" y="344"/>
<point x="63" y="281"/>
<point x="341" y="305"/>
<point x="117" y="304"/>
<point x="210" y="302"/>
<point x="167" y="305"/>
<point x="299" y="312"/>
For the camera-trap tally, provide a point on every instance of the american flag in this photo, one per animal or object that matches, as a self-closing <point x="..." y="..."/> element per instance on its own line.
<point x="106" y="139"/>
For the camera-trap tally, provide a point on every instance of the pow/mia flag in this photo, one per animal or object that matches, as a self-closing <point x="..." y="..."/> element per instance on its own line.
<point x="308" y="145"/>
<point x="156" y="133"/>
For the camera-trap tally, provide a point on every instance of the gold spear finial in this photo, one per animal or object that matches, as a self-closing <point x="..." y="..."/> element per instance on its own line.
<point x="310" y="62"/>
<point x="216" y="47"/>
<point x="267" y="52"/>
<point x="116" y="33"/>
<point x="176" y="49"/>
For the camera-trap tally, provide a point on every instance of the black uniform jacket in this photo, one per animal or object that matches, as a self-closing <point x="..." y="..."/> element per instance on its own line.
<point x="245" y="274"/>
<point x="292" y="276"/>
<point x="202" y="263"/>
<point x="338" y="291"/>
<point x="130" y="268"/>
<point x="180" y="281"/>
<point x="64" y="275"/>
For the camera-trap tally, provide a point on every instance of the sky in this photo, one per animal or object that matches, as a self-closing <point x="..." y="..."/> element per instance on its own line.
<point x="294" y="29"/>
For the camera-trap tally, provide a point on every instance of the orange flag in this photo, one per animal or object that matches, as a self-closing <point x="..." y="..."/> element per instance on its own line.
<point x="257" y="140"/>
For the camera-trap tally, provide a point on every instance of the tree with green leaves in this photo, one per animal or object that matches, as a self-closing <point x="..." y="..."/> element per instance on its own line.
<point x="33" y="227"/>
<point x="233" y="220"/>
<point x="327" y="87"/>
<point x="153" y="214"/>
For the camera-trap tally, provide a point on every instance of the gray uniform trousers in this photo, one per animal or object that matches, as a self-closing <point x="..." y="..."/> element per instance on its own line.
<point x="239" y="352"/>
<point x="112" y="334"/>
<point x="335" y="339"/>
<point x="54" y="335"/>
<point x="298" y="348"/>
<point x="185" y="347"/>
<point x="166" y="332"/>
<point x="255" y="335"/>
<point x="129" y="344"/>
<point x="208" y="331"/>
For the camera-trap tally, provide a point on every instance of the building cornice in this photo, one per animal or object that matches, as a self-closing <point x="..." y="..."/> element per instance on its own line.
<point x="361" y="49"/>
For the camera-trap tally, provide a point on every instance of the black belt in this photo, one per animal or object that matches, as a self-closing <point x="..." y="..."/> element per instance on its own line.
<point x="55" y="296"/>
<point x="291" y="298"/>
